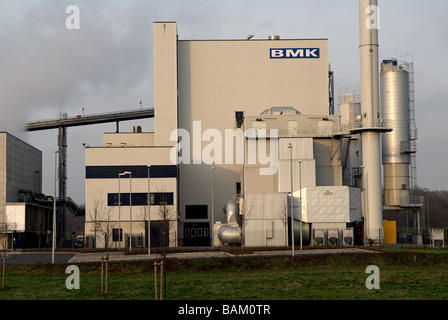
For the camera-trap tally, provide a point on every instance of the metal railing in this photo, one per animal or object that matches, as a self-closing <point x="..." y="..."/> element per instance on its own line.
<point x="412" y="201"/>
<point x="8" y="227"/>
<point x="367" y="124"/>
<point x="93" y="115"/>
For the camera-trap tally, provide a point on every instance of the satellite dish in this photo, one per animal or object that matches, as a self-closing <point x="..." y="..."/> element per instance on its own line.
<point x="249" y="37"/>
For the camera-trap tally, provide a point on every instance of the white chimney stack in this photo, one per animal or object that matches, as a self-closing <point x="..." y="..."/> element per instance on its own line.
<point x="371" y="124"/>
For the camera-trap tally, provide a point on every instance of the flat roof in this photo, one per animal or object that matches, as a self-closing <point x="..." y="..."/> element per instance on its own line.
<point x="307" y="39"/>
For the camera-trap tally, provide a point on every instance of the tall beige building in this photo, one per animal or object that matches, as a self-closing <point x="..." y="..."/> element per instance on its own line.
<point x="226" y="112"/>
<point x="207" y="87"/>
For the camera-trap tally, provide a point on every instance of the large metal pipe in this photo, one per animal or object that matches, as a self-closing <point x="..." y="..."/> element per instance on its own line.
<point x="231" y="211"/>
<point x="230" y="233"/>
<point x="371" y="153"/>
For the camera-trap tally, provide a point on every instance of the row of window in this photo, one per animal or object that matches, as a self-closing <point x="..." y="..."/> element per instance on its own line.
<point x="112" y="172"/>
<point x="140" y="199"/>
<point x="196" y="232"/>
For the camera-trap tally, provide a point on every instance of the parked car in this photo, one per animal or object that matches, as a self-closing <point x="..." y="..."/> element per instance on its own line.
<point x="79" y="242"/>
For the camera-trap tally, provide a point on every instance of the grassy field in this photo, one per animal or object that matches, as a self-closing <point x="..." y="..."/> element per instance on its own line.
<point x="404" y="275"/>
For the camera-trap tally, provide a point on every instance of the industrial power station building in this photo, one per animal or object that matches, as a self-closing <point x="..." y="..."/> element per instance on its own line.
<point x="240" y="126"/>
<point x="25" y="213"/>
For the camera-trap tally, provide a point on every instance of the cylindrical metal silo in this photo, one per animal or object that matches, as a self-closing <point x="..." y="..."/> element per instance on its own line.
<point x="396" y="146"/>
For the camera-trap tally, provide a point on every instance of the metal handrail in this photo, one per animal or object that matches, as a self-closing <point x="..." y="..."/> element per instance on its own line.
<point x="94" y="115"/>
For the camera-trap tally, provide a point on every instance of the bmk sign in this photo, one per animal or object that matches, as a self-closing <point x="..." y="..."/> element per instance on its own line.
<point x="295" y="53"/>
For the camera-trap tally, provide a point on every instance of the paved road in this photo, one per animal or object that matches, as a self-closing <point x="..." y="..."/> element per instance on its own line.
<point x="25" y="258"/>
<point x="119" y="256"/>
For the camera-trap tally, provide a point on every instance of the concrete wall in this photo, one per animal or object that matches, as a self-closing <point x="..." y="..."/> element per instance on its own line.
<point x="219" y="78"/>
<point x="165" y="81"/>
<point x="266" y="218"/>
<point x="20" y="168"/>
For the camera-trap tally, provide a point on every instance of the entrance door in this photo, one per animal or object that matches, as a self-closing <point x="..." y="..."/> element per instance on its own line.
<point x="196" y="234"/>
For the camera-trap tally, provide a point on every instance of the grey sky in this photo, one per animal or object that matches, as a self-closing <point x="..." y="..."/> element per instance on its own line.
<point x="107" y="65"/>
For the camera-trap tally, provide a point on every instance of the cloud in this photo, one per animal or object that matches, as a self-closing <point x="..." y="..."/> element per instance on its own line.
<point x="47" y="66"/>
<point x="107" y="65"/>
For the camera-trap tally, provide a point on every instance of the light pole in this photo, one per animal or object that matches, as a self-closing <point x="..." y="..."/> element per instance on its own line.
<point x="300" y="190"/>
<point x="426" y="190"/>
<point x="119" y="211"/>
<point x="149" y="213"/>
<point x="130" y="207"/>
<point x="54" y="207"/>
<point x="292" y="200"/>
<point x="213" y="208"/>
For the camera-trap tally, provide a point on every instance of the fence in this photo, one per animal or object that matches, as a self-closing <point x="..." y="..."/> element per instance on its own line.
<point x="408" y="236"/>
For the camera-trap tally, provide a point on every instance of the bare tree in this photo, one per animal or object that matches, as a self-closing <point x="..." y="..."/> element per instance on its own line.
<point x="94" y="217"/>
<point x="142" y="221"/>
<point x="4" y="236"/>
<point x="282" y="215"/>
<point x="168" y="216"/>
<point x="103" y="226"/>
<point x="246" y="211"/>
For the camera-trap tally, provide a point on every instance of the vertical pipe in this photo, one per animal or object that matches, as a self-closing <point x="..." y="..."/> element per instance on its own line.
<point x="291" y="201"/>
<point x="213" y="208"/>
<point x="300" y="188"/>
<point x="413" y="127"/>
<point x="54" y="208"/>
<point x="62" y="147"/>
<point x="130" y="212"/>
<point x="149" y="213"/>
<point x="119" y="214"/>
<point x="371" y="153"/>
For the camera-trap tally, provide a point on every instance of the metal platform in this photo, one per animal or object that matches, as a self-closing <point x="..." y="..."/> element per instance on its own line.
<point x="90" y="119"/>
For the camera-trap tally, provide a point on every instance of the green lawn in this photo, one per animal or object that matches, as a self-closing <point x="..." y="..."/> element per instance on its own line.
<point x="404" y="275"/>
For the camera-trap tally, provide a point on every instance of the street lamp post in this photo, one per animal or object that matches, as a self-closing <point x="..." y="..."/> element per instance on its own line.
<point x="213" y="208"/>
<point x="292" y="200"/>
<point x="300" y="188"/>
<point x="426" y="190"/>
<point x="130" y="212"/>
<point x="130" y="207"/>
<point x="54" y="208"/>
<point x="119" y="212"/>
<point x="149" y="213"/>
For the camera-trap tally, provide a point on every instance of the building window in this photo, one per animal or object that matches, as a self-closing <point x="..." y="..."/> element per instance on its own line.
<point x="140" y="199"/>
<point x="115" y="234"/>
<point x="239" y="116"/>
<point x="111" y="172"/>
<point x="196" y="212"/>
